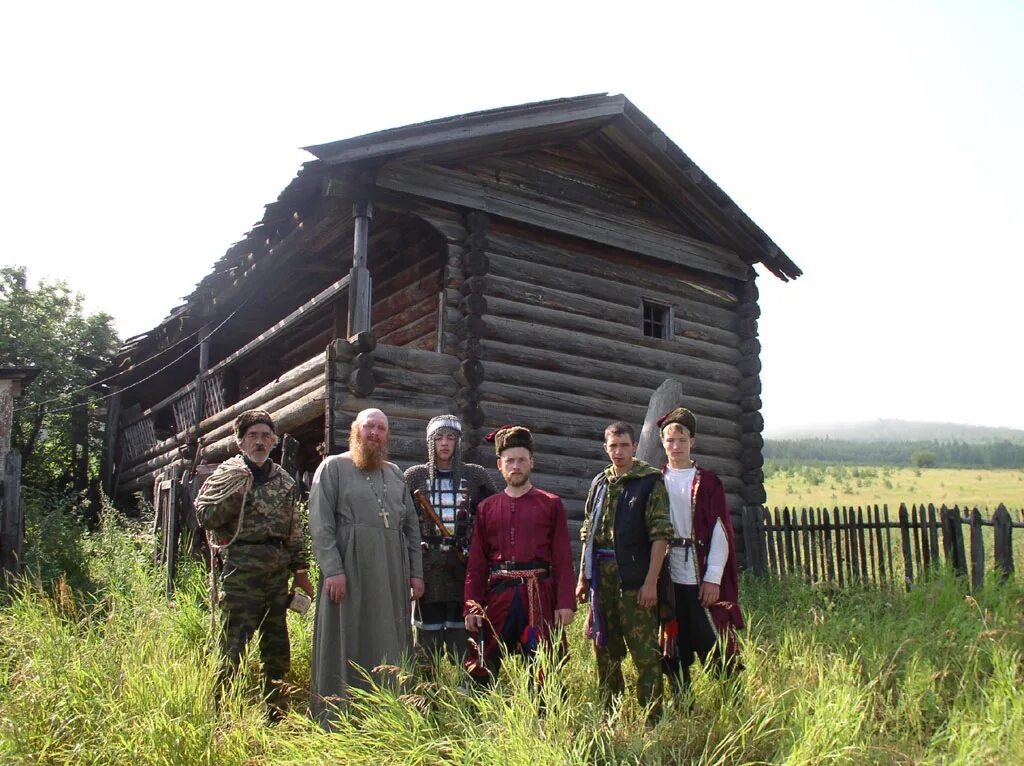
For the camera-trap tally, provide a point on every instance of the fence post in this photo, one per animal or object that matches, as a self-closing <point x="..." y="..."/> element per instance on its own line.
<point x="880" y="563"/>
<point x="864" y="573"/>
<point x="933" y="536"/>
<point x="839" y="548"/>
<point x="759" y="537"/>
<point x="812" y="535"/>
<point x="888" y="541"/>
<point x="748" y="542"/>
<point x="1003" y="542"/>
<point x="788" y="532"/>
<point x="771" y="538"/>
<point x="977" y="552"/>
<point x="908" y="561"/>
<point x="829" y="562"/>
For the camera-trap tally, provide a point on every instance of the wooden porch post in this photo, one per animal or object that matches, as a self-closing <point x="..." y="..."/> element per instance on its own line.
<point x="360" y="285"/>
<point x="204" y="366"/>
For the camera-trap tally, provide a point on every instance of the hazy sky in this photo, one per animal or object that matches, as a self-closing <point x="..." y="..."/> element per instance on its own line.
<point x="879" y="144"/>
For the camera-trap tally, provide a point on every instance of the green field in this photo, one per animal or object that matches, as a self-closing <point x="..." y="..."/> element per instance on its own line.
<point x="826" y="486"/>
<point x="109" y="672"/>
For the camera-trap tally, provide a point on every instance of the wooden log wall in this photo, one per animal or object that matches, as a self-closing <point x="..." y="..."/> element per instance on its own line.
<point x="751" y="421"/>
<point x="552" y="329"/>
<point x="409" y="384"/>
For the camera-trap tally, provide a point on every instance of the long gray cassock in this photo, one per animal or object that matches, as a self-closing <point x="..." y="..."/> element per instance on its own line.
<point x="377" y="554"/>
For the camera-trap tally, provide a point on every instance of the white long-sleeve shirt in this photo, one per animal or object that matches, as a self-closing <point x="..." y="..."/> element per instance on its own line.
<point x="679" y="483"/>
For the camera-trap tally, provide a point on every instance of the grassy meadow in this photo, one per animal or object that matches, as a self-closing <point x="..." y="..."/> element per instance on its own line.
<point x="96" y="667"/>
<point x="826" y="486"/>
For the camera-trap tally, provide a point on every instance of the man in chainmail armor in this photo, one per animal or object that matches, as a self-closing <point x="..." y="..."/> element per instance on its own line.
<point x="454" y="489"/>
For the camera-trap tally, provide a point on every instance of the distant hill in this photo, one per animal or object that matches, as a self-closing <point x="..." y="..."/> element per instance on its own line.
<point x="892" y="430"/>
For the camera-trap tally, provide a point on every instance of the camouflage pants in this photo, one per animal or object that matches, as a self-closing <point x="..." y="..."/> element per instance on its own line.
<point x="630" y="626"/>
<point x="251" y="602"/>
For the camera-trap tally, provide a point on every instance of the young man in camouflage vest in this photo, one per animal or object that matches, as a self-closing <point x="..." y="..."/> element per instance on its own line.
<point x="248" y="507"/>
<point x="454" y="490"/>
<point x="625" y="536"/>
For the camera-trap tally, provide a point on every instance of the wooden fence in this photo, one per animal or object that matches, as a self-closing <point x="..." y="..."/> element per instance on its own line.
<point x="863" y="545"/>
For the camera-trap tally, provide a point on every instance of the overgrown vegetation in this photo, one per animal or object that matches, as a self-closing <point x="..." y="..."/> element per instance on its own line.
<point x="47" y="327"/>
<point x="1001" y="453"/>
<point x="98" y="668"/>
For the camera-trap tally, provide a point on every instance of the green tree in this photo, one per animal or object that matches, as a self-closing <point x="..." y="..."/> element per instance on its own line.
<point x="924" y="458"/>
<point x="47" y="327"/>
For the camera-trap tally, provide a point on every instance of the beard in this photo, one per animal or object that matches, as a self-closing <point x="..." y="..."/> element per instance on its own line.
<point x="368" y="456"/>
<point x="518" y="480"/>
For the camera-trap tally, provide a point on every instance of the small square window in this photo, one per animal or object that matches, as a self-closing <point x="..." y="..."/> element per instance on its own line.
<point x="657" y="320"/>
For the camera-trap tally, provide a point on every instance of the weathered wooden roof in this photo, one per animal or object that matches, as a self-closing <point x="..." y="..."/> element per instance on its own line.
<point x="652" y="161"/>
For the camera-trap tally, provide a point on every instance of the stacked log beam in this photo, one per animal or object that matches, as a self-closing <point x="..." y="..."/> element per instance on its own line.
<point x="563" y="352"/>
<point x="751" y="459"/>
<point x="410" y="385"/>
<point x="469" y="327"/>
<point x="295" y="398"/>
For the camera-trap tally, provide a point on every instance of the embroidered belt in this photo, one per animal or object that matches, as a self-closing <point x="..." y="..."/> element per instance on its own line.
<point x="513" y="566"/>
<point x="507" y="575"/>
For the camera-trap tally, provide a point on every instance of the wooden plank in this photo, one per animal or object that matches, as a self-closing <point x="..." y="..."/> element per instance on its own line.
<point x="770" y="551"/>
<point x="572" y="346"/>
<point x="888" y="541"/>
<point x="830" y="562"/>
<point x="480" y="129"/>
<point x="167" y="451"/>
<point x="956" y="554"/>
<point x="879" y="550"/>
<point x="607" y="388"/>
<point x="712" y="430"/>
<point x="933" y="536"/>
<point x="908" y="563"/>
<point x="619" y="284"/>
<point x="915" y="529"/>
<point x="861" y="550"/>
<point x="450" y="186"/>
<point x="1003" y="542"/>
<point x="977" y="552"/>
<point x="805" y="540"/>
<point x="539" y="358"/>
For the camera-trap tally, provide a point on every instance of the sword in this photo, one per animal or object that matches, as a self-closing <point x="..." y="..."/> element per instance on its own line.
<point x="420" y="496"/>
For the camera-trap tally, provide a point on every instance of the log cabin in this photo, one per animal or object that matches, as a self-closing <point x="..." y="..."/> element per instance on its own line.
<point x="548" y="264"/>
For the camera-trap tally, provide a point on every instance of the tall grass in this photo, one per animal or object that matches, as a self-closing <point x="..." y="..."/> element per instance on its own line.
<point x="111" y="673"/>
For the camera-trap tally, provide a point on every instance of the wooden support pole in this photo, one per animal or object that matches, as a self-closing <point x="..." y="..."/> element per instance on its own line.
<point x="204" y="366"/>
<point x="360" y="283"/>
<point x="109" y="463"/>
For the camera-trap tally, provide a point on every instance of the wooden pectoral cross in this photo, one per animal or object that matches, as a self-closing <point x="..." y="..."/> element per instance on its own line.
<point x="387" y="518"/>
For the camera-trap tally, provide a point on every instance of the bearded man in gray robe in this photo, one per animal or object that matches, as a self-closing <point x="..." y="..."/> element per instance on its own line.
<point x="366" y="540"/>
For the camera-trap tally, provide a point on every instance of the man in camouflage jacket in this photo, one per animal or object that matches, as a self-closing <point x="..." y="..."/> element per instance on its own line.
<point x="625" y="537"/>
<point x="248" y="506"/>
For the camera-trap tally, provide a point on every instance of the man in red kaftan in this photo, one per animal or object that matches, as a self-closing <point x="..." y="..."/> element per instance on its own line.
<point x="519" y="578"/>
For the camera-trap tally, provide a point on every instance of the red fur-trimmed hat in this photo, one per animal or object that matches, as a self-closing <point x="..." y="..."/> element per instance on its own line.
<point x="507" y="437"/>
<point x="679" y="415"/>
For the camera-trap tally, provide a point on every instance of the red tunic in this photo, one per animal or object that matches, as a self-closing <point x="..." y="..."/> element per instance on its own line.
<point x="525" y="530"/>
<point x="521" y="530"/>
